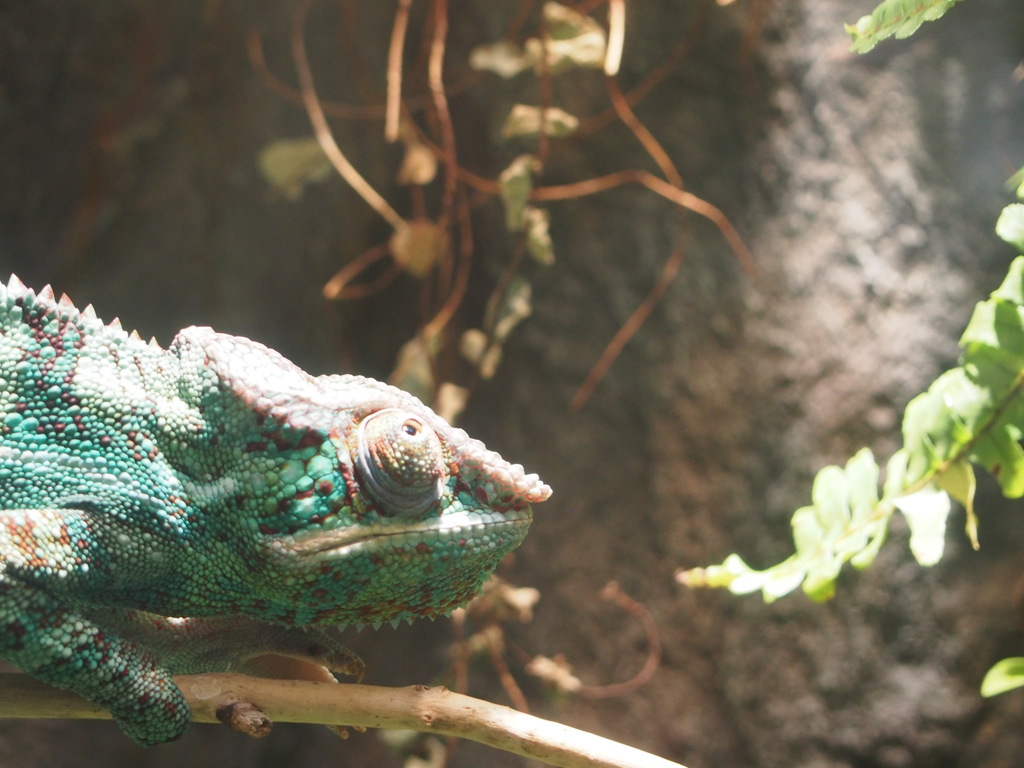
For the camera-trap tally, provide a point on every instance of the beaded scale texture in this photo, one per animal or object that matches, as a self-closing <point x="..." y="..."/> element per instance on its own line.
<point x="216" y="480"/>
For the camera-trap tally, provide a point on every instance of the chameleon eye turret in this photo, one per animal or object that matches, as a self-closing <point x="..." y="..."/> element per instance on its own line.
<point x="399" y="462"/>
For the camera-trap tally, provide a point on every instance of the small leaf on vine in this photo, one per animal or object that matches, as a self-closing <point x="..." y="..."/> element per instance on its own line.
<point x="419" y="163"/>
<point x="516" y="184"/>
<point x="503" y="58"/>
<point x="419" y="246"/>
<point x="894" y="18"/>
<point x="926" y="512"/>
<point x="1004" y="676"/>
<point x="290" y="164"/>
<point x="536" y="223"/>
<point x="960" y="482"/>
<point x="1010" y="226"/>
<point x="525" y="120"/>
<point x="972" y="414"/>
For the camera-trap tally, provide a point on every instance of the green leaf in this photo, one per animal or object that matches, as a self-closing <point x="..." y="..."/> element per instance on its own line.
<point x="1010" y="226"/>
<point x="524" y="120"/>
<point x="976" y="411"/>
<point x="894" y="18"/>
<point x="573" y="40"/>
<point x="290" y="164"/>
<point x="1004" y="676"/>
<point x="1012" y="287"/>
<point x="926" y="512"/>
<point x="733" y="573"/>
<point x="781" y="580"/>
<point x="1015" y="183"/>
<point x="419" y="246"/>
<point x="929" y="433"/>
<point x="414" y="369"/>
<point x="503" y="58"/>
<point x="846" y="521"/>
<point x="516" y="183"/>
<point x="959" y="481"/>
<point x="995" y="324"/>
<point x="505" y="310"/>
<point x="970" y="415"/>
<point x="536" y="223"/>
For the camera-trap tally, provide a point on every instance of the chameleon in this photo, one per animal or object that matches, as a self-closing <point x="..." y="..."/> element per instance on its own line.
<point x="209" y="506"/>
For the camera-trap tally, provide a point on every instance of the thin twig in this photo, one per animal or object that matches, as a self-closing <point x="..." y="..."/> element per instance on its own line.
<point x="494" y="637"/>
<point x="545" y="91"/>
<point x="660" y="187"/>
<point x="627" y="330"/>
<point x="650" y="144"/>
<point x="612" y="591"/>
<point x="460" y="654"/>
<point x="393" y="110"/>
<point x="447" y="311"/>
<point x="519" y="18"/>
<point x="616" y="36"/>
<point x="653" y="78"/>
<point x="617" y="179"/>
<point x="413" y="103"/>
<point x="254" y="47"/>
<point x="435" y="68"/>
<point x="668" y="271"/>
<point x="322" y="130"/>
<point x="339" y="287"/>
<point x="450" y="201"/>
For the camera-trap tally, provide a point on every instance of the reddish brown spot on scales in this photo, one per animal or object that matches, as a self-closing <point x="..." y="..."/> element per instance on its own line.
<point x="310" y="439"/>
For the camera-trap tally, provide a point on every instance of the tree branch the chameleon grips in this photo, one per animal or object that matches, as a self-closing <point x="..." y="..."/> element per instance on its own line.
<point x="433" y="710"/>
<point x="216" y="480"/>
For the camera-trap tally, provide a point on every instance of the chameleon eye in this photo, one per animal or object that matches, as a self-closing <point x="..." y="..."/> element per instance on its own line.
<point x="399" y="462"/>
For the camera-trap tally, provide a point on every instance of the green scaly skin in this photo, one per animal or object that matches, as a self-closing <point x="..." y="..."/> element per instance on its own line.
<point x="218" y="481"/>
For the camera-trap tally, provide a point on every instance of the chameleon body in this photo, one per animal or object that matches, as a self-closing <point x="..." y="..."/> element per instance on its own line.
<point x="217" y="481"/>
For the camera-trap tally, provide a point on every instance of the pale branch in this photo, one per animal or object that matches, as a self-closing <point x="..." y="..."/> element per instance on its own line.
<point x="322" y="130"/>
<point x="418" y="708"/>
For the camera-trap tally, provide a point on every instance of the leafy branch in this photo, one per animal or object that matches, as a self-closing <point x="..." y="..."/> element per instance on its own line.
<point x="894" y="18"/>
<point x="971" y="415"/>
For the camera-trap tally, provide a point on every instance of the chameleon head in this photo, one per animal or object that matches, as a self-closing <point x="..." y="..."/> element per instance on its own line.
<point x="362" y="503"/>
<point x="424" y="514"/>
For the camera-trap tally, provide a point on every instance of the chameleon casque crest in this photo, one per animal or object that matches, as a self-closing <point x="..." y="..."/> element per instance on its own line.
<point x="215" y="480"/>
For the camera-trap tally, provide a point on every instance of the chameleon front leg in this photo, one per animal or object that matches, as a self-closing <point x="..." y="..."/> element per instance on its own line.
<point x="44" y="632"/>
<point x="237" y="644"/>
<point x="60" y="623"/>
<point x="57" y="645"/>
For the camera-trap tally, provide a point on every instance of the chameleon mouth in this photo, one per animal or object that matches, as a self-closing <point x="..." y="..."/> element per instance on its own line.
<point x="457" y="531"/>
